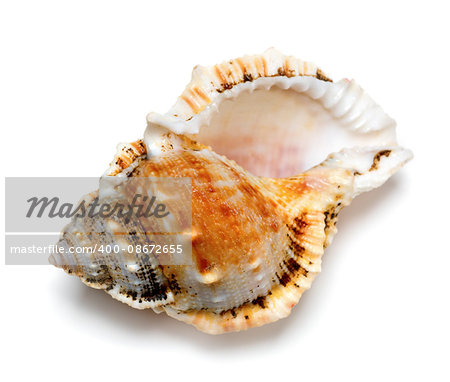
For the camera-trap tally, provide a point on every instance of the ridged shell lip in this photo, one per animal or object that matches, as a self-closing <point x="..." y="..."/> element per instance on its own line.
<point x="210" y="87"/>
<point x="362" y="121"/>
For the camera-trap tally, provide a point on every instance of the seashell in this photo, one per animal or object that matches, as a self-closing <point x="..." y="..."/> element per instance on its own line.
<point x="275" y="149"/>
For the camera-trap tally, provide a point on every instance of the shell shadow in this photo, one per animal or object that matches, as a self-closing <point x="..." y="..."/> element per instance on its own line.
<point x="95" y="311"/>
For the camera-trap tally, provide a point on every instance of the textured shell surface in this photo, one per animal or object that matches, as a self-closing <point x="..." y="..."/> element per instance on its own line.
<point x="274" y="150"/>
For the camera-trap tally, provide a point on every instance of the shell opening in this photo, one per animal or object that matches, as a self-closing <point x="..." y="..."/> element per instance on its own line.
<point x="280" y="126"/>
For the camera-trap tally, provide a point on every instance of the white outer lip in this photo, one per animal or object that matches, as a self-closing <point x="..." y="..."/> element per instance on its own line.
<point x="367" y="128"/>
<point x="345" y="100"/>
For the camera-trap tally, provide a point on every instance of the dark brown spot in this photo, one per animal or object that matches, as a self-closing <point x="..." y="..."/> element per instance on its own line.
<point x="173" y="284"/>
<point x="284" y="279"/>
<point x="259" y="301"/>
<point x="322" y="77"/>
<point x="121" y="163"/>
<point x="227" y="86"/>
<point x="330" y="217"/>
<point x="292" y="265"/>
<point x="377" y="157"/>
<point x="300" y="225"/>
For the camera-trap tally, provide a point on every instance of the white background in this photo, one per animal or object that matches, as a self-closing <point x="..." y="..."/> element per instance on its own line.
<point x="78" y="77"/>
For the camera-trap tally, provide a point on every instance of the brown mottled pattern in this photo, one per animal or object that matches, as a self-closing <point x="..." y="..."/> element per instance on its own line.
<point x="231" y="73"/>
<point x="280" y="226"/>
<point x="232" y="215"/>
<point x="237" y="213"/>
<point x="126" y="154"/>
